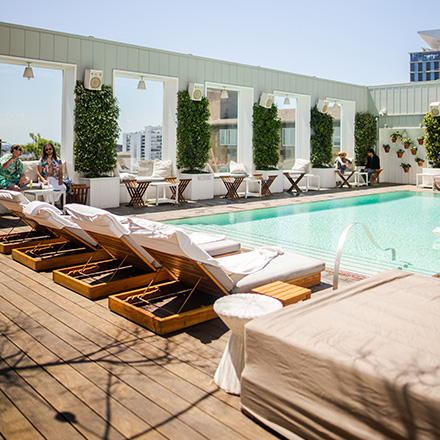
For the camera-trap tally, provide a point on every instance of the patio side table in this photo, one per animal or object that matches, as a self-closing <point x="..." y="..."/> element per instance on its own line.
<point x="235" y="311"/>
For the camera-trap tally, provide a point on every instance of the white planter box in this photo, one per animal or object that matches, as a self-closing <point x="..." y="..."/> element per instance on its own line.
<point x="327" y="175"/>
<point x="427" y="177"/>
<point x="201" y="186"/>
<point x="278" y="184"/>
<point x="103" y="192"/>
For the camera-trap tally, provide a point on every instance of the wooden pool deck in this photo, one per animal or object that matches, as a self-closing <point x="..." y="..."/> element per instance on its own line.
<point x="71" y="368"/>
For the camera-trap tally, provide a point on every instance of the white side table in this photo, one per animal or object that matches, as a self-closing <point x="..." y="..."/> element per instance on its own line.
<point x="164" y="186"/>
<point x="252" y="180"/>
<point x="235" y="311"/>
<point x="361" y="178"/>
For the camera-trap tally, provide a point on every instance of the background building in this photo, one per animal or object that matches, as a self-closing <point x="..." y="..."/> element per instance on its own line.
<point x="425" y="65"/>
<point x="144" y="144"/>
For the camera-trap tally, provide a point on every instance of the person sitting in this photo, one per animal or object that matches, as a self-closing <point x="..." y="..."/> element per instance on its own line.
<point x="49" y="165"/>
<point x="373" y="164"/>
<point x="12" y="170"/>
<point x="341" y="162"/>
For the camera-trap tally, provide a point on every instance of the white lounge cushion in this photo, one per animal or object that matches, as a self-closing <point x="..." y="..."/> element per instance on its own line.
<point x="146" y="167"/>
<point x="301" y="165"/>
<point x="30" y="169"/>
<point x="237" y="168"/>
<point x="162" y="168"/>
<point x="283" y="268"/>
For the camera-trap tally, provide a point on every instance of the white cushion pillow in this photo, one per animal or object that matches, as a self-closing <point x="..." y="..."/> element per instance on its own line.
<point x="301" y="165"/>
<point x="30" y="169"/>
<point x="146" y="167"/>
<point x="237" y="168"/>
<point x="162" y="168"/>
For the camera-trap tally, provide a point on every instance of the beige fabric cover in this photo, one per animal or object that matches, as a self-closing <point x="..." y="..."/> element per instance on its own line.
<point x="361" y="363"/>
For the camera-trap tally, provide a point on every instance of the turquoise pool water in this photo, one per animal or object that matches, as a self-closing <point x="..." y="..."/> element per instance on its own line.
<point x="402" y="220"/>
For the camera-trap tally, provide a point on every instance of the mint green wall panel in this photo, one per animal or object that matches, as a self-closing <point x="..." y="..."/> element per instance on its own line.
<point x="164" y="68"/>
<point x="74" y="51"/>
<point x="99" y="55"/>
<point x="60" y="49"/>
<point x="144" y="60"/>
<point x="122" y="57"/>
<point x="133" y="59"/>
<point x="47" y="46"/>
<point x="4" y="40"/>
<point x="110" y="62"/>
<point x="87" y="59"/>
<point x="32" y="44"/>
<point x="17" y="42"/>
<point x="209" y="71"/>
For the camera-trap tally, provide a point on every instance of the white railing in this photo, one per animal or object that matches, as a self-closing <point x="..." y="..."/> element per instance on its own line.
<point x="341" y="246"/>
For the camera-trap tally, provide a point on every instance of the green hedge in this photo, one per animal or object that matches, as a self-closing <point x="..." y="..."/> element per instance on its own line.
<point x="365" y="133"/>
<point x="96" y="131"/>
<point x="193" y="133"/>
<point x="432" y="139"/>
<point x="266" y="137"/>
<point x="321" y="139"/>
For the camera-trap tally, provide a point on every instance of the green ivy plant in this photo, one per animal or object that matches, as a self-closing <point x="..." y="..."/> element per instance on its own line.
<point x="266" y="137"/>
<point x="193" y="133"/>
<point x="321" y="140"/>
<point x="365" y="132"/>
<point x="96" y="131"/>
<point x="432" y="139"/>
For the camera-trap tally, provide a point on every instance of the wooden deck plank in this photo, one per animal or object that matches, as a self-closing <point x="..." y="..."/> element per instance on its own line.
<point x="172" y="374"/>
<point x="130" y="411"/>
<point x="13" y="424"/>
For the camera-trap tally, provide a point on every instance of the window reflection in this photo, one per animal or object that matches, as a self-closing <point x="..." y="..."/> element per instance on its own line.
<point x="224" y="135"/>
<point x="287" y="114"/>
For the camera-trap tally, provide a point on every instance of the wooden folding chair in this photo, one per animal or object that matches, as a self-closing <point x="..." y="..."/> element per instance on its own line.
<point x="183" y="183"/>
<point x="374" y="177"/>
<point x="345" y="178"/>
<point x="78" y="193"/>
<point x="136" y="190"/>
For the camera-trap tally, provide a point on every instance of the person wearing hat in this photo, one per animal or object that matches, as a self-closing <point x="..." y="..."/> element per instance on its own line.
<point x="341" y="162"/>
<point x="11" y="170"/>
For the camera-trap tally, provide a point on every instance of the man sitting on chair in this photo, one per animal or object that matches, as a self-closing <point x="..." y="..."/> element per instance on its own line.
<point x="341" y="162"/>
<point x="372" y="165"/>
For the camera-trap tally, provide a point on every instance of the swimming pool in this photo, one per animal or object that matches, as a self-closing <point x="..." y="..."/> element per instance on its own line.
<point x="403" y="220"/>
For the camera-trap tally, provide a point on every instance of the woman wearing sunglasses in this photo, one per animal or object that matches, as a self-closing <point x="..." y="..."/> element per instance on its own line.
<point x="49" y="165"/>
<point x="12" y="170"/>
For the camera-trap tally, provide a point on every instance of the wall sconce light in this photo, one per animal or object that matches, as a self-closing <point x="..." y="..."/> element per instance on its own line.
<point x="224" y="94"/>
<point x="286" y="101"/>
<point x="383" y="112"/>
<point x="434" y="108"/>
<point x="141" y="84"/>
<point x="28" y="73"/>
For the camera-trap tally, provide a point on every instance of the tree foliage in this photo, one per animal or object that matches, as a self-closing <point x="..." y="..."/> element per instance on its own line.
<point x="321" y="140"/>
<point x="432" y="139"/>
<point x="193" y="133"/>
<point x="35" y="148"/>
<point x="266" y="137"/>
<point x="365" y="133"/>
<point x="96" y="131"/>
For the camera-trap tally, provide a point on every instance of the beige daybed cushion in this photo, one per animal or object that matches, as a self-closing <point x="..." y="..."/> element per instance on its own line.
<point x="359" y="363"/>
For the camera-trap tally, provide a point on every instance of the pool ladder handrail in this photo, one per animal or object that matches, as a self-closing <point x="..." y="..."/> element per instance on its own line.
<point x="341" y="244"/>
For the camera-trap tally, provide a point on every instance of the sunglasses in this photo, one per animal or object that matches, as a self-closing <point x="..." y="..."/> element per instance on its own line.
<point x="49" y="149"/>
<point x="17" y="148"/>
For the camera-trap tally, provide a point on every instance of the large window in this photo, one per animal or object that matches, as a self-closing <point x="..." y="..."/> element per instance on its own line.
<point x="287" y="113"/>
<point x="30" y="106"/>
<point x="141" y="117"/>
<point x="335" y="109"/>
<point x="223" y="106"/>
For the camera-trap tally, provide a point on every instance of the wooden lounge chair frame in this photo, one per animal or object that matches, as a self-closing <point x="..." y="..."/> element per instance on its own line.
<point x="37" y="235"/>
<point x="99" y="279"/>
<point x="70" y="250"/>
<point x="152" y="307"/>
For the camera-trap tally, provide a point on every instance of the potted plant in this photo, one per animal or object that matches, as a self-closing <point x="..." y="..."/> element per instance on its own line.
<point x="386" y="148"/>
<point x="407" y="142"/>
<point x="321" y="147"/>
<point x="266" y="126"/>
<point x="395" y="136"/>
<point x="420" y="139"/>
<point x="193" y="145"/>
<point x="414" y="149"/>
<point x="406" y="167"/>
<point x="94" y="150"/>
<point x="399" y="152"/>
<point x="419" y="161"/>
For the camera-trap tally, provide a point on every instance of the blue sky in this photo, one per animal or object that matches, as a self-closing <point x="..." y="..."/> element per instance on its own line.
<point x="345" y="40"/>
